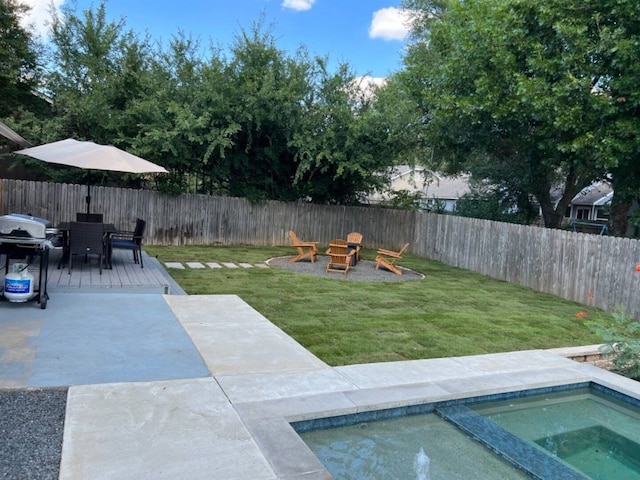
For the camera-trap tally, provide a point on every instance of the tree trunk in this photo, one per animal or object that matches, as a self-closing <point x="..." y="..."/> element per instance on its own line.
<point x="553" y="216"/>
<point x="619" y="213"/>
<point x="552" y="219"/>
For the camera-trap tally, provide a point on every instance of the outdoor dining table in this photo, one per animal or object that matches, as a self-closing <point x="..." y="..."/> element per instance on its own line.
<point x="63" y="228"/>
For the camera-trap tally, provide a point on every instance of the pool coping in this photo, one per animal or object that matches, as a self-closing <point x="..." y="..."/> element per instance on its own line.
<point x="270" y="422"/>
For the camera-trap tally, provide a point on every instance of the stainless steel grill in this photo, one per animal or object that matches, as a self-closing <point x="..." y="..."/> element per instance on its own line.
<point x="27" y="237"/>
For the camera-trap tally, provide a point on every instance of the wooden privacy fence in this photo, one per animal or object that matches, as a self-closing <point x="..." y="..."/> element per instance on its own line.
<point x="586" y="268"/>
<point x="590" y="269"/>
<point x="206" y="220"/>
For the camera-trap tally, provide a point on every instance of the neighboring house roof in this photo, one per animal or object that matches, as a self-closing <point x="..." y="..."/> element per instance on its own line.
<point x="12" y="136"/>
<point x="400" y="171"/>
<point x="428" y="184"/>
<point x="404" y="177"/>
<point x="435" y="186"/>
<point x="447" y="188"/>
<point x="596" y="194"/>
<point x="590" y="195"/>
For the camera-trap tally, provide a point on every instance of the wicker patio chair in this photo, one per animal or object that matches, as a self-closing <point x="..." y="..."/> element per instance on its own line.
<point x="89" y="217"/>
<point x="86" y="238"/>
<point x="129" y="241"/>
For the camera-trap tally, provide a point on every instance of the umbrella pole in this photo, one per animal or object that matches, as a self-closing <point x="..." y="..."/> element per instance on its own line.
<point x="88" y="197"/>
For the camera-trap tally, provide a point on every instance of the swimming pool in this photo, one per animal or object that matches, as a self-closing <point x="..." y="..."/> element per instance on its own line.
<point x="565" y="432"/>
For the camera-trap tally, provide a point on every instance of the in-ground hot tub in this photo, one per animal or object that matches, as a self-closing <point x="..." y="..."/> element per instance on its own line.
<point x="581" y="430"/>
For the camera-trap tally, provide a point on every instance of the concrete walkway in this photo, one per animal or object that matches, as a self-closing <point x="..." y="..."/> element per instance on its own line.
<point x="201" y="387"/>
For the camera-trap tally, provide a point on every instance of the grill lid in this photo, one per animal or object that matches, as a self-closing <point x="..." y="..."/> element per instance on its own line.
<point x="16" y="225"/>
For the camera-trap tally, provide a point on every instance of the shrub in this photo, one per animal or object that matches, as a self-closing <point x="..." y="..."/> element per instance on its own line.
<point x="621" y="344"/>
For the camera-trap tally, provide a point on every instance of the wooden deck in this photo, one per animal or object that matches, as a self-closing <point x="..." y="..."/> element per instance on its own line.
<point x="124" y="275"/>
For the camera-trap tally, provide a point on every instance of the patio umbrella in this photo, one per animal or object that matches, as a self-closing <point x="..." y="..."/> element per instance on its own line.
<point x="91" y="156"/>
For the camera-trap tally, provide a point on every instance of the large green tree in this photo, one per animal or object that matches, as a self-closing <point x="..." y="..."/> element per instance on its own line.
<point x="344" y="143"/>
<point x="619" y="30"/>
<point x="520" y="93"/>
<point x="98" y="72"/>
<point x="92" y="56"/>
<point x="250" y="121"/>
<point x="173" y="120"/>
<point x="19" y="60"/>
<point x="22" y="106"/>
<point x="264" y="92"/>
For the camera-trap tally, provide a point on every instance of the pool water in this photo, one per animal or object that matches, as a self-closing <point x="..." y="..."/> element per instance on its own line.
<point x="416" y="447"/>
<point x="594" y="433"/>
<point x="596" y="451"/>
<point x="577" y="433"/>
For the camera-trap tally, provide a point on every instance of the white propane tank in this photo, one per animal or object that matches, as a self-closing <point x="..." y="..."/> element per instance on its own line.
<point x="18" y="285"/>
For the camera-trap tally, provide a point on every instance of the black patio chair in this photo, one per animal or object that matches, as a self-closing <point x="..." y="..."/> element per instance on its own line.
<point x="89" y="217"/>
<point x="86" y="238"/>
<point x="130" y="241"/>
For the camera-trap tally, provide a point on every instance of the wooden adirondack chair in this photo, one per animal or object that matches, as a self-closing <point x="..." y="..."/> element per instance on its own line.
<point x="387" y="259"/>
<point x="355" y="239"/>
<point x="340" y="258"/>
<point x="336" y="242"/>
<point x="305" y="249"/>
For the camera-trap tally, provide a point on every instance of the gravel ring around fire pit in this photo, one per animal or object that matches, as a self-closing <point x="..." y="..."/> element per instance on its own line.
<point x="364" y="271"/>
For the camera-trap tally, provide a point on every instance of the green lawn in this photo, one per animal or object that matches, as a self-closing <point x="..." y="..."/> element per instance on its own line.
<point x="451" y="312"/>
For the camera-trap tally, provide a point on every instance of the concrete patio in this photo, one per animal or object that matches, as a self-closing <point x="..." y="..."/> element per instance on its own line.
<point x="166" y="386"/>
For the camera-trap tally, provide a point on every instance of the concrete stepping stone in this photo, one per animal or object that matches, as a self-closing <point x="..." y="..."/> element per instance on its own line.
<point x="177" y="265"/>
<point x="198" y="265"/>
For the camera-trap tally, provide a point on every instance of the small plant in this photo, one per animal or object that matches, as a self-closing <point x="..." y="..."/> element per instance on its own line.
<point x="621" y="344"/>
<point x="621" y="340"/>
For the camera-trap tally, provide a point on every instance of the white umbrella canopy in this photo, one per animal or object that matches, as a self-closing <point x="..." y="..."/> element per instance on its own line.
<point x="91" y="156"/>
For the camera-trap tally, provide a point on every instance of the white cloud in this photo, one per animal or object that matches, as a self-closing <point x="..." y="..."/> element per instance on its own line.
<point x="371" y="82"/>
<point x="38" y="18"/>
<point x="366" y="85"/>
<point x="389" y="24"/>
<point x="298" y="5"/>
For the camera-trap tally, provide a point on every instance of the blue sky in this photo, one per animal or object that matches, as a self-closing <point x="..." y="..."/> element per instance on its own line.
<point x="368" y="34"/>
